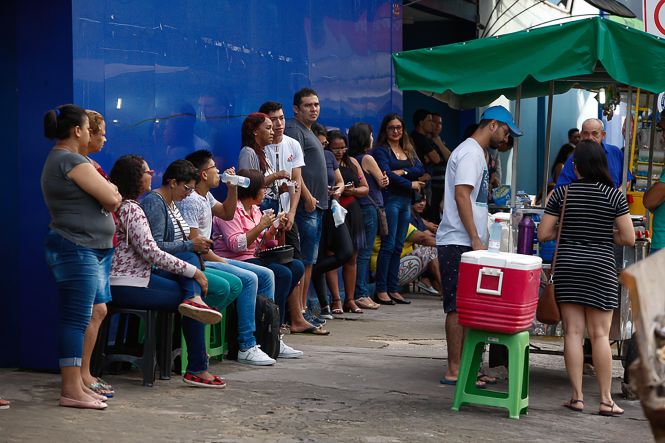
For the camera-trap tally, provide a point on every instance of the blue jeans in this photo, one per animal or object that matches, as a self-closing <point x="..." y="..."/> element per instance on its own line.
<point x="398" y="213"/>
<point x="189" y="287"/>
<point x="246" y="304"/>
<point x="309" y="227"/>
<point x="269" y="203"/>
<point x="81" y="275"/>
<point x="362" y="264"/>
<point x="287" y="277"/>
<point x="164" y="293"/>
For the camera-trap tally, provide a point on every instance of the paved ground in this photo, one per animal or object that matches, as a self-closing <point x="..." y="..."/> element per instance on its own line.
<point x="375" y="379"/>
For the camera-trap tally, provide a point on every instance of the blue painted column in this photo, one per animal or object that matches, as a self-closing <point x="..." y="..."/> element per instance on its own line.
<point x="44" y="67"/>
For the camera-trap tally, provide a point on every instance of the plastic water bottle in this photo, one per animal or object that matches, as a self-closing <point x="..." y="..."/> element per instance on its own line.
<point x="495" y="236"/>
<point x="237" y="180"/>
<point x="525" y="235"/>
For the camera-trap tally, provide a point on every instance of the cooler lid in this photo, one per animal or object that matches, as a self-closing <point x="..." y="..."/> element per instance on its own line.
<point x="503" y="260"/>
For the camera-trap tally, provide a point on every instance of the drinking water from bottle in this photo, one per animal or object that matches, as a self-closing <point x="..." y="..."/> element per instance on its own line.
<point x="237" y="180"/>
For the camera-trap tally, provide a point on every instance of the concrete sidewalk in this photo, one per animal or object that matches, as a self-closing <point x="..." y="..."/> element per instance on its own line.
<point x="374" y="379"/>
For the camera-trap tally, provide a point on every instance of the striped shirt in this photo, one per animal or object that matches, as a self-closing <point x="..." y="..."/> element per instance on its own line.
<point x="585" y="268"/>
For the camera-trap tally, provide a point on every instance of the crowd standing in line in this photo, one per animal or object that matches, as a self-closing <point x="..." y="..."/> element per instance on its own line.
<point x="418" y="204"/>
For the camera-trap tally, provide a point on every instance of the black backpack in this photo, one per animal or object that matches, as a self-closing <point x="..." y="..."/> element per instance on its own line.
<point x="267" y="328"/>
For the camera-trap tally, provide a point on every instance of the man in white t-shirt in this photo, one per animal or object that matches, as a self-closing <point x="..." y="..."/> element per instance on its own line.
<point x="197" y="209"/>
<point x="463" y="224"/>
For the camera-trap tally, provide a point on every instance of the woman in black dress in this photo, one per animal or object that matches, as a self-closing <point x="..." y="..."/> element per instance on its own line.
<point x="587" y="290"/>
<point x="355" y="186"/>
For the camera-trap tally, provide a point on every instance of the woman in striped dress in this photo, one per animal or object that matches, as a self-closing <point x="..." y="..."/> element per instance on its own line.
<point x="587" y="289"/>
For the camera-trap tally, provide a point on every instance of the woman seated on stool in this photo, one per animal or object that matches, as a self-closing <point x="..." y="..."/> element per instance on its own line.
<point x="178" y="283"/>
<point x="239" y="238"/>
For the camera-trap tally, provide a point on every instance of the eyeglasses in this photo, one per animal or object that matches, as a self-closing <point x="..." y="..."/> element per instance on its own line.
<point x="395" y="128"/>
<point x="188" y="189"/>
<point x="210" y="167"/>
<point x="338" y="149"/>
<point x="150" y="172"/>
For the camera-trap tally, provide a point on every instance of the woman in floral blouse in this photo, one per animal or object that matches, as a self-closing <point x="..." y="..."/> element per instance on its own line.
<point x="176" y="284"/>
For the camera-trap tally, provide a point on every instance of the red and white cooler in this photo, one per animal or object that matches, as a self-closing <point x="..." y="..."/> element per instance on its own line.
<point x="498" y="291"/>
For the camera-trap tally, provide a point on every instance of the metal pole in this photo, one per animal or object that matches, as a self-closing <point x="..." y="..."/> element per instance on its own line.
<point x="513" y="178"/>
<point x="548" y="141"/>
<point x="652" y="139"/>
<point x="652" y="136"/>
<point x="626" y="141"/>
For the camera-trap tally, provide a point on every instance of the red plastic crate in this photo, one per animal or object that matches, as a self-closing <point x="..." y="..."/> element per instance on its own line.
<point x="498" y="291"/>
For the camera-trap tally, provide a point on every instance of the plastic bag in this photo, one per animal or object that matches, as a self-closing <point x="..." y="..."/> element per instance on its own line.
<point x="338" y="212"/>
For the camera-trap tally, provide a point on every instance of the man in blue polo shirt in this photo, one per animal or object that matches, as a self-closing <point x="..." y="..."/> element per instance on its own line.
<point x="593" y="129"/>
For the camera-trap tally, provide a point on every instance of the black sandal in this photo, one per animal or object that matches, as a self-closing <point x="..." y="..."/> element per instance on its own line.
<point x="569" y="405"/>
<point x="611" y="412"/>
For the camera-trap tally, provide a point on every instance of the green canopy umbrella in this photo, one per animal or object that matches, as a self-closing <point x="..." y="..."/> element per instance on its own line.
<point x="584" y="54"/>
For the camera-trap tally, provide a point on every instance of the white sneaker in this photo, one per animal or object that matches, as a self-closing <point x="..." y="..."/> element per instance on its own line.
<point x="255" y="356"/>
<point x="286" y="351"/>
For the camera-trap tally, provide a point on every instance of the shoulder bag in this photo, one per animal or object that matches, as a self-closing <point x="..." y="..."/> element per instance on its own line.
<point x="184" y="236"/>
<point x="381" y="217"/>
<point x="548" y="309"/>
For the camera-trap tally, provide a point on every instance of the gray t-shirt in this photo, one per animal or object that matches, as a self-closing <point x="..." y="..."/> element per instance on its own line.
<point x="75" y="214"/>
<point x="314" y="172"/>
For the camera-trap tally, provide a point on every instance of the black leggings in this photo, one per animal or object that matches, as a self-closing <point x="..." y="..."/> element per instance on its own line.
<point x="336" y="240"/>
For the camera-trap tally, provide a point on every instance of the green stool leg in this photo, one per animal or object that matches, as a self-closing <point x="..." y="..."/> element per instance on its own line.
<point x="516" y="400"/>
<point x="214" y="340"/>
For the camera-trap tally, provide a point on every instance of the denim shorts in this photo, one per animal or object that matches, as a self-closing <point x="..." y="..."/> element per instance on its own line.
<point x="450" y="257"/>
<point x="81" y="278"/>
<point x="309" y="228"/>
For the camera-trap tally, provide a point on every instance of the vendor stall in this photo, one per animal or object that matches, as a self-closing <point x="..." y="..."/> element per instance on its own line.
<point x="588" y="54"/>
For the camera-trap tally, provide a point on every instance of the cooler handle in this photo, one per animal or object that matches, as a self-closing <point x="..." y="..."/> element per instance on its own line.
<point x="492" y="272"/>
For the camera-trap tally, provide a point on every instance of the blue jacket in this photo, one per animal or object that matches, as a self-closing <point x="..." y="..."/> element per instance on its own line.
<point x="161" y="225"/>
<point x="399" y="185"/>
<point x="614" y="164"/>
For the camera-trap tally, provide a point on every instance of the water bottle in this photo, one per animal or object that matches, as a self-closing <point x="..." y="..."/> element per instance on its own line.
<point x="495" y="236"/>
<point x="525" y="235"/>
<point x="536" y="243"/>
<point x="237" y="180"/>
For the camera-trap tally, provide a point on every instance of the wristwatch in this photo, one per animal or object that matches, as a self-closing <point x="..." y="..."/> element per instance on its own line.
<point x="405" y="172"/>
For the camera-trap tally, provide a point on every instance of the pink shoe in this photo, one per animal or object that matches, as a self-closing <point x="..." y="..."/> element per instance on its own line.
<point x="204" y="314"/>
<point x="71" y="403"/>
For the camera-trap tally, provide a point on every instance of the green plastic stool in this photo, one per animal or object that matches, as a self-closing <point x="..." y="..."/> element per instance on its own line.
<point x="215" y="339"/>
<point x="516" y="400"/>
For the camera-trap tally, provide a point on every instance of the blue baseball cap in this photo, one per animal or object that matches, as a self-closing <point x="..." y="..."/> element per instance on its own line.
<point x="501" y="114"/>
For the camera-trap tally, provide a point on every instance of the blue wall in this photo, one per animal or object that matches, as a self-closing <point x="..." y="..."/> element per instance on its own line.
<point x="187" y="72"/>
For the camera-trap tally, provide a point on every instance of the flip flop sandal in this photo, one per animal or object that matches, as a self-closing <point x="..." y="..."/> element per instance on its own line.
<point x="569" y="405"/>
<point x="365" y="303"/>
<point x="99" y="389"/>
<point x="106" y="385"/>
<point x="4" y="404"/>
<point x="487" y="379"/>
<point x="194" y="380"/>
<point x="312" y="331"/>
<point x="446" y="381"/>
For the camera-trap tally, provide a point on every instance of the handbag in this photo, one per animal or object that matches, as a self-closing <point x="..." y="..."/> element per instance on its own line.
<point x="548" y="309"/>
<point x="381" y="217"/>
<point x="184" y="236"/>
